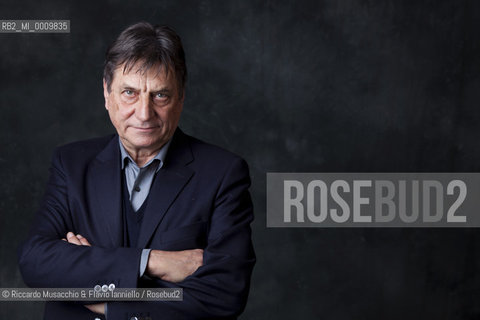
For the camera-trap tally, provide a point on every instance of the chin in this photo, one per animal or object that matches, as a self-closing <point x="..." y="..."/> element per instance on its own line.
<point x="145" y="142"/>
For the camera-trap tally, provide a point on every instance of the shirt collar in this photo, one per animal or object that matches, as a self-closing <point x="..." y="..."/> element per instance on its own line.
<point x="159" y="156"/>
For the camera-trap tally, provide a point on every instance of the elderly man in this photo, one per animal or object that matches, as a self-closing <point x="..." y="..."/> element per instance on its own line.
<point x="147" y="207"/>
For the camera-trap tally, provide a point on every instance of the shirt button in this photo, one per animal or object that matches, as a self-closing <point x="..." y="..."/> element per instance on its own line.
<point x="137" y="188"/>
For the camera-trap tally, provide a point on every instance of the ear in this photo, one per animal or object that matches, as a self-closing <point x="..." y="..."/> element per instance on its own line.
<point x="182" y="99"/>
<point x="180" y="102"/>
<point x="106" y="94"/>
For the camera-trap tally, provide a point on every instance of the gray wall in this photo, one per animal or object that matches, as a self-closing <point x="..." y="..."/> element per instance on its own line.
<point x="295" y="86"/>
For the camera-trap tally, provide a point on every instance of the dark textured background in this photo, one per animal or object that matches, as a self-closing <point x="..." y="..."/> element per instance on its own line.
<point x="295" y="86"/>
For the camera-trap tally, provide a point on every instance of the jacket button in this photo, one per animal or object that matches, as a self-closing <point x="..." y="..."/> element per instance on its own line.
<point x="97" y="288"/>
<point x="134" y="318"/>
<point x="111" y="287"/>
<point x="104" y="288"/>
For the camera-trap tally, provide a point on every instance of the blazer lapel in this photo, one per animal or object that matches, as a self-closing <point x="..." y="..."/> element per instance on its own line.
<point x="105" y="175"/>
<point x="168" y="183"/>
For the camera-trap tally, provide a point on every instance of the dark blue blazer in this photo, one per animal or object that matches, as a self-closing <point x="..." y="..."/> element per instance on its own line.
<point x="199" y="199"/>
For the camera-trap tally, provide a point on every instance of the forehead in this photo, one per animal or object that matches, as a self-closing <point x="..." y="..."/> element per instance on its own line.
<point x="139" y="75"/>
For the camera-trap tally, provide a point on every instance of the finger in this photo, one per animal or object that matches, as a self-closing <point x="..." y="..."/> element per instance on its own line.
<point x="96" y="308"/>
<point x="63" y="239"/>
<point x="72" y="239"/>
<point x="83" y="240"/>
<point x="90" y="307"/>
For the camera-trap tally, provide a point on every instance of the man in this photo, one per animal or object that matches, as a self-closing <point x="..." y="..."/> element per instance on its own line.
<point x="147" y="207"/>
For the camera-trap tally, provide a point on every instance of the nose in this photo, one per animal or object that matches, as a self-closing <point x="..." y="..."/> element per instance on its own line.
<point x="144" y="109"/>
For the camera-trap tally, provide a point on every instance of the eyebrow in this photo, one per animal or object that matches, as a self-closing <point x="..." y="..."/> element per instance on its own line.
<point x="162" y="91"/>
<point x="126" y="86"/>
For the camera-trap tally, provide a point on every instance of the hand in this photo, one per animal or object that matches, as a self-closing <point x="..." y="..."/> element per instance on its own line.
<point x="174" y="266"/>
<point x="96" y="308"/>
<point x="77" y="239"/>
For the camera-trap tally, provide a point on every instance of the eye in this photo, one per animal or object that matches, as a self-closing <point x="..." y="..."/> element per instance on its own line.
<point x="129" y="95"/>
<point x="161" y="95"/>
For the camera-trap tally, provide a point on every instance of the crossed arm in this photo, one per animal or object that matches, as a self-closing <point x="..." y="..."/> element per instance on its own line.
<point x="215" y="281"/>
<point x="173" y="266"/>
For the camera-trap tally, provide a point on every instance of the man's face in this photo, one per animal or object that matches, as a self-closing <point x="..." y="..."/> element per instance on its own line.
<point x="144" y="107"/>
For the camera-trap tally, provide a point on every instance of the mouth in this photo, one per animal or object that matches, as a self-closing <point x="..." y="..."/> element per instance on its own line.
<point x="145" y="129"/>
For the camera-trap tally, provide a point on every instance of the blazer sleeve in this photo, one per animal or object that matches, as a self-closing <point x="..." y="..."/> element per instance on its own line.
<point x="47" y="261"/>
<point x="219" y="288"/>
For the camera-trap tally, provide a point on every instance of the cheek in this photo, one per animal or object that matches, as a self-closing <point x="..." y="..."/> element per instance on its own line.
<point x="172" y="114"/>
<point x="122" y="113"/>
<point x="126" y="113"/>
<point x="119" y="116"/>
<point x="176" y="115"/>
